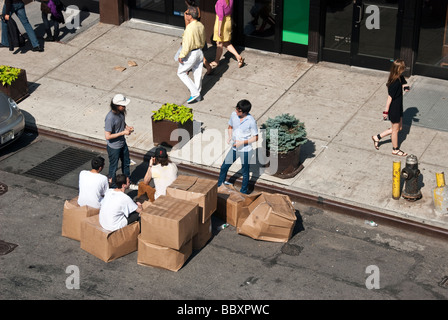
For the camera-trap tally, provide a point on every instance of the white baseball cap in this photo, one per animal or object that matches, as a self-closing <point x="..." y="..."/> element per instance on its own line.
<point x="120" y="100"/>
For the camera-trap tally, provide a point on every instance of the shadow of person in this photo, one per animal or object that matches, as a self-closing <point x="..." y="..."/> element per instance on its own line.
<point x="409" y="116"/>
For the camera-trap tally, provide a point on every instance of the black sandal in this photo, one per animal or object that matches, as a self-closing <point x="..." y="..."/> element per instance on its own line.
<point x="398" y="152"/>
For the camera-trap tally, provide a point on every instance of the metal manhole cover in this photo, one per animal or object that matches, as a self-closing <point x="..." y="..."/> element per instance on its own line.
<point x="444" y="282"/>
<point x="60" y="164"/>
<point x="3" y="188"/>
<point x="6" y="247"/>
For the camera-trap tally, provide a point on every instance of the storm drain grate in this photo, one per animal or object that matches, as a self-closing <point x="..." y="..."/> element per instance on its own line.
<point x="60" y="164"/>
<point x="6" y="247"/>
<point x="3" y="188"/>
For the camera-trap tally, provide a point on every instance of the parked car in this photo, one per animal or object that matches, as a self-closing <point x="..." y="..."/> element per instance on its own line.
<point x="12" y="121"/>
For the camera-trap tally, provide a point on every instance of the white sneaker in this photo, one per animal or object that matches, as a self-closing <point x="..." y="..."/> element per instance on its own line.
<point x="133" y="187"/>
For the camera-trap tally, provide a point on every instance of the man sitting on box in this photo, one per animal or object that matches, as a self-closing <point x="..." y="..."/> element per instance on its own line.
<point x="117" y="208"/>
<point x="164" y="173"/>
<point x="92" y="184"/>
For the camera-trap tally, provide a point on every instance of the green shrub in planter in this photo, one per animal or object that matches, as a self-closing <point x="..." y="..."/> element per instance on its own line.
<point x="291" y="133"/>
<point x="8" y="74"/>
<point x="167" y="119"/>
<point x="173" y="112"/>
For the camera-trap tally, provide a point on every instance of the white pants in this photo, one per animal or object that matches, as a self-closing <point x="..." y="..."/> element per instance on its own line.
<point x="193" y="61"/>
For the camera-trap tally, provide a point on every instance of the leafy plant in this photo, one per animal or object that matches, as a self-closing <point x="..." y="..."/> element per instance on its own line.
<point x="173" y="112"/>
<point x="284" y="133"/>
<point x="8" y="74"/>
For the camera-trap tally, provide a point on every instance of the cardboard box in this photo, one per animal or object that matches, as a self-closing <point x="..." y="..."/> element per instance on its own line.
<point x="169" y="222"/>
<point x="150" y="254"/>
<point x="107" y="245"/>
<point x="204" y="192"/>
<point x="271" y="218"/>
<point x="231" y="203"/>
<point x="73" y="214"/>
<point x="204" y="234"/>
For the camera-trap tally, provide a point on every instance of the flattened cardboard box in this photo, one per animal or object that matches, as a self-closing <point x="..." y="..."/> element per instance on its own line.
<point x="150" y="254"/>
<point x="231" y="203"/>
<point x="204" y="192"/>
<point x="271" y="218"/>
<point x="73" y="214"/>
<point x="169" y="222"/>
<point x="108" y="245"/>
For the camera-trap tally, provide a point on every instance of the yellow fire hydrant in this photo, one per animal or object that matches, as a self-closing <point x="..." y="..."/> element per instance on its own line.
<point x="440" y="195"/>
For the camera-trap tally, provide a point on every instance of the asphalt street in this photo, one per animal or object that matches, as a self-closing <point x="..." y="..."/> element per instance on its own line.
<point x="329" y="257"/>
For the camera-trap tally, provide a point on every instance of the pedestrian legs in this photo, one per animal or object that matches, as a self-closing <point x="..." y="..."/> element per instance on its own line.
<point x="5" y="41"/>
<point x="114" y="156"/>
<point x="19" y="9"/>
<point x="192" y="62"/>
<point x="230" y="158"/>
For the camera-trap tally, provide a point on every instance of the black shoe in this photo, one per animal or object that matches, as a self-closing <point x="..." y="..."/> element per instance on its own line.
<point x="38" y="49"/>
<point x="49" y="39"/>
<point x="3" y="46"/>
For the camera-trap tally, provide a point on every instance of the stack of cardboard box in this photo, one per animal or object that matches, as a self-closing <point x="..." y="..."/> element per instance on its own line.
<point x="176" y="224"/>
<point x="168" y="226"/>
<point x="203" y="192"/>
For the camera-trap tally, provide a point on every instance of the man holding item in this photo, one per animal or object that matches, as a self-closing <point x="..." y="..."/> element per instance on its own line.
<point x="115" y="131"/>
<point x="243" y="132"/>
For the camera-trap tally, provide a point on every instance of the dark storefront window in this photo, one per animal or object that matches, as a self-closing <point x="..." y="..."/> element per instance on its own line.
<point x="433" y="41"/>
<point x="163" y="11"/>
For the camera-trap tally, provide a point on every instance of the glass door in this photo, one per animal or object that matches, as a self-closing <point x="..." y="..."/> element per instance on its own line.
<point x="259" y="24"/>
<point x="363" y="33"/>
<point x="162" y="11"/>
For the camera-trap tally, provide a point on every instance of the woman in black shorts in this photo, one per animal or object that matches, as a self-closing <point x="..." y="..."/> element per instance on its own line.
<point x="394" y="106"/>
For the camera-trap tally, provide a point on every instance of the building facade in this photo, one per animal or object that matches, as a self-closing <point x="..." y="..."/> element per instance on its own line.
<point x="361" y="33"/>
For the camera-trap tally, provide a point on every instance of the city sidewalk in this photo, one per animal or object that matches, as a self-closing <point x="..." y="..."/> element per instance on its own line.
<point x="73" y="81"/>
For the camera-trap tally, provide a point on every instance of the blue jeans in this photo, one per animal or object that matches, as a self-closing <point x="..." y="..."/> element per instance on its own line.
<point x="115" y="155"/>
<point x="19" y="10"/>
<point x="231" y="157"/>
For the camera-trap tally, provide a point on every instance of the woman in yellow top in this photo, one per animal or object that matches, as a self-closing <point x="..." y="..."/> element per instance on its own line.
<point x="223" y="32"/>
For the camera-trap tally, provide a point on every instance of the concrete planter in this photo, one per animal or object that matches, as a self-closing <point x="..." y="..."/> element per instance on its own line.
<point x="18" y="90"/>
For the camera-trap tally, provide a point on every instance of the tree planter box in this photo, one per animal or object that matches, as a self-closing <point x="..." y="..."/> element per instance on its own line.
<point x="162" y="129"/>
<point x="288" y="164"/>
<point x="18" y="90"/>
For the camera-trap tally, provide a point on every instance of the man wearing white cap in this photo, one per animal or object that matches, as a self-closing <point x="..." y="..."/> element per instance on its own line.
<point x="115" y="131"/>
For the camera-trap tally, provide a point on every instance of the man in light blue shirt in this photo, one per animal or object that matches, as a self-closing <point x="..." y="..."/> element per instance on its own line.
<point x="243" y="132"/>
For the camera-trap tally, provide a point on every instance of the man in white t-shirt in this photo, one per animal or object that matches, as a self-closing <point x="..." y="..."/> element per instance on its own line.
<point x="117" y="208"/>
<point x="162" y="170"/>
<point x="92" y="184"/>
